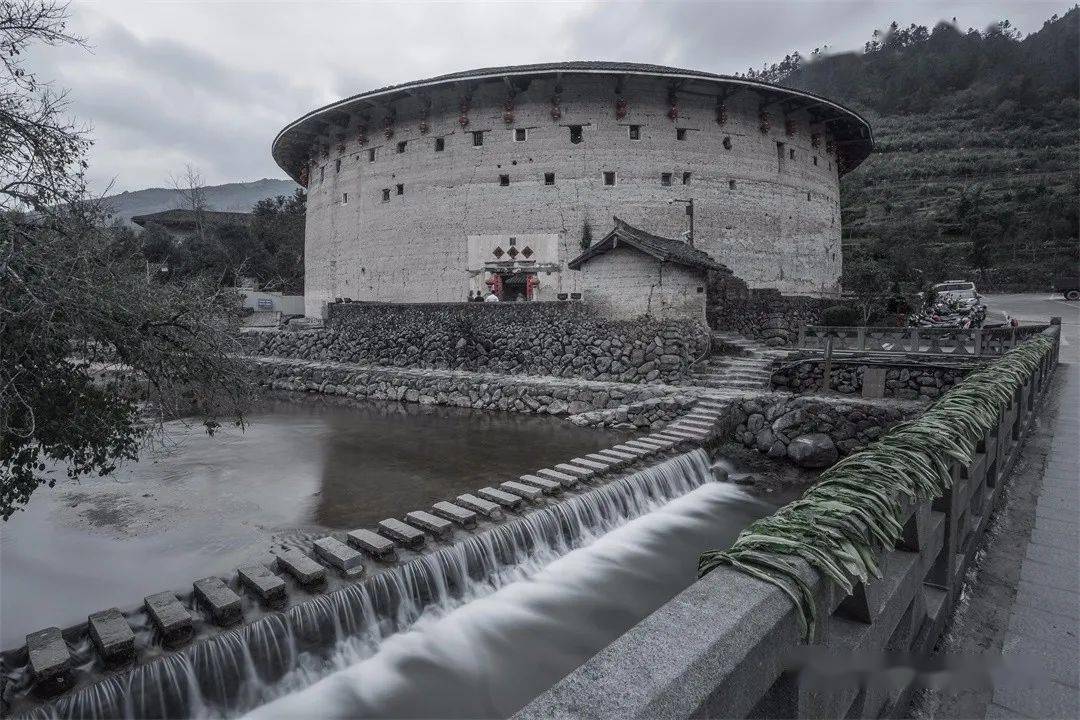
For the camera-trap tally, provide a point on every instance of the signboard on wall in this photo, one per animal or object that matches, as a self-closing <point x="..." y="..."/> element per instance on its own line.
<point x="514" y="250"/>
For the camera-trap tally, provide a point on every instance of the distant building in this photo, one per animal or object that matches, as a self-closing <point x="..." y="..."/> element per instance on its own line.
<point x="183" y="223"/>
<point x="429" y="190"/>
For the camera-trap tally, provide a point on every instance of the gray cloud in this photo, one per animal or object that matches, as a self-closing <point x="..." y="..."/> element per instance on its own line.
<point x="210" y="84"/>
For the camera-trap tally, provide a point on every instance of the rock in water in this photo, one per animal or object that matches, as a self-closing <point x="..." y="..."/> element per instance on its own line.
<point x="815" y="450"/>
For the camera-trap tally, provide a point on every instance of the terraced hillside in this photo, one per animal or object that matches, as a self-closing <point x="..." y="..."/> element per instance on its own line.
<point x="974" y="173"/>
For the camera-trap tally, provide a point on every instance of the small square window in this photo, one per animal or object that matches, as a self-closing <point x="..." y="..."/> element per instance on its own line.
<point x="440" y="144"/>
<point x="680" y="133"/>
<point x="727" y="142"/>
<point x="337" y="165"/>
<point x="815" y="160"/>
<point x="322" y="173"/>
<point x="478" y="138"/>
<point x="344" y="198"/>
<point x="609" y="177"/>
<point x="807" y="197"/>
<point x="521" y="134"/>
<point x="780" y="151"/>
<point x="371" y="155"/>
<point x="549" y="178"/>
<point x="791" y="153"/>
<point x="504" y="180"/>
<point x="731" y="184"/>
<point x="634" y="131"/>
<point x="400" y="189"/>
<point x="386" y="195"/>
<point x="513" y="242"/>
<point x="665" y="179"/>
<point x="576" y="135"/>
<point x="686" y="178"/>
<point x="401" y="146"/>
<point x="700" y="289"/>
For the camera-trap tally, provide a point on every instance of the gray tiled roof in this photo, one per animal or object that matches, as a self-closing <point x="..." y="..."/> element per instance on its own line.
<point x="661" y="248"/>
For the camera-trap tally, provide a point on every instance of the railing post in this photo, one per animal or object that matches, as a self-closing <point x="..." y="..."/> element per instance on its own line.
<point x="979" y="341"/>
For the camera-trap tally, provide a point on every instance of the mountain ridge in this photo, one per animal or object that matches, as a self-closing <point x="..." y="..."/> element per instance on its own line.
<point x="232" y="197"/>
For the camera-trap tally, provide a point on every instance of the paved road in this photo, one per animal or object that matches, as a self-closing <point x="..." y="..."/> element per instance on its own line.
<point x="1043" y="621"/>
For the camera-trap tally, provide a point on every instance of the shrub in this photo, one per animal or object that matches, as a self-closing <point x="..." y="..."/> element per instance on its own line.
<point x="841" y="316"/>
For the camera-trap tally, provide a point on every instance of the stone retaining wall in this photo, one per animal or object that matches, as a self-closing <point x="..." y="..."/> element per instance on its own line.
<point x="763" y="314"/>
<point x="811" y="432"/>
<point x="561" y="339"/>
<point x="592" y="404"/>
<point x="902" y="381"/>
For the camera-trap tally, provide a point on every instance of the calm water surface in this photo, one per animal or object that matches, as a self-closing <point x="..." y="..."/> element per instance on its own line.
<point x="205" y="505"/>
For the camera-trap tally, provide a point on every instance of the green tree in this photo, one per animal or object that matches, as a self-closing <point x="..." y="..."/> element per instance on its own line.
<point x="95" y="352"/>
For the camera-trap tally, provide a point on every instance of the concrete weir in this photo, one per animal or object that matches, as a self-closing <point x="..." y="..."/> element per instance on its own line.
<point x="332" y="569"/>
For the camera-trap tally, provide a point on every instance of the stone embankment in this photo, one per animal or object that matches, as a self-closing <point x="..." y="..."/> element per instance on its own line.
<point x="903" y="381"/>
<point x="811" y="432"/>
<point x="764" y="315"/>
<point x="557" y="339"/>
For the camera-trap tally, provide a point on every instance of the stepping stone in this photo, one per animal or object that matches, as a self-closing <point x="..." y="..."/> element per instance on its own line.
<point x="455" y="514"/>
<point x="111" y="634"/>
<point x="340" y="555"/>
<point x="596" y="467"/>
<point x="373" y="544"/>
<point x="650" y="447"/>
<point x="400" y="532"/>
<point x="429" y="522"/>
<point x="624" y="458"/>
<point x="577" y="471"/>
<point x="566" y="479"/>
<point x="507" y="500"/>
<point x="703" y="424"/>
<point x="551" y="487"/>
<point x="224" y="604"/>
<point x="526" y="491"/>
<point x="169" y="616"/>
<point x="305" y="570"/>
<point x="609" y="463"/>
<point x="704" y="416"/>
<point x="49" y="655"/>
<point x="629" y="450"/>
<point x="666" y="444"/>
<point x="262" y="582"/>
<point x="484" y="507"/>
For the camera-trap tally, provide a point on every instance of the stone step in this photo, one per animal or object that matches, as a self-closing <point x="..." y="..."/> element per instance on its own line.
<point x="529" y="492"/>
<point x="507" y="500"/>
<point x="373" y="544"/>
<point x="694" y="422"/>
<point x="219" y="598"/>
<point x="168" y="614"/>
<point x="339" y="555"/>
<point x="268" y="586"/>
<point x="651" y="445"/>
<point x="678" y="438"/>
<point x="577" y="471"/>
<point x="662" y="444"/>
<point x="631" y="450"/>
<point x="455" y="514"/>
<point x="111" y="635"/>
<point x="596" y="467"/>
<point x="426" y="521"/>
<point x="609" y="463"/>
<point x="479" y="505"/>
<point x="708" y="417"/>
<point x="566" y="479"/>
<point x="49" y="654"/>
<point x="400" y="532"/>
<point x="547" y="485"/>
<point x="303" y="569"/>
<point x="625" y="458"/>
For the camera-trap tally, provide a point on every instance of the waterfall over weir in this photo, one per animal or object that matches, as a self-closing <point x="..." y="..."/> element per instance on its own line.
<point x="474" y="629"/>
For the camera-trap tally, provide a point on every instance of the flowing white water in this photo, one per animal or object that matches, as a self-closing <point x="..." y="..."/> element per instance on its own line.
<point x="488" y="657"/>
<point x="474" y="629"/>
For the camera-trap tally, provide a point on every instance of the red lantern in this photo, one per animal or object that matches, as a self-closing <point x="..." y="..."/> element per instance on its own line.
<point x="425" y="128"/>
<point x="304" y="176"/>
<point x="789" y="127"/>
<point x="620" y="109"/>
<point x="721" y="114"/>
<point x="361" y="136"/>
<point x="673" y="113"/>
<point x="815" y="139"/>
<point x="463" y="121"/>
<point x="764" y="122"/>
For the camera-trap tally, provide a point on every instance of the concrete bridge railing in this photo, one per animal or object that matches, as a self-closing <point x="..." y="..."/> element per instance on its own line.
<point x="730" y="645"/>
<point x="934" y="341"/>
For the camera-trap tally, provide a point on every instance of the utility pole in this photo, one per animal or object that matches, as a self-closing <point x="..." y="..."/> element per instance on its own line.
<point x="689" y="211"/>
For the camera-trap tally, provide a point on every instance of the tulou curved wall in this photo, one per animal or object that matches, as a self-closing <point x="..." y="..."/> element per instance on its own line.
<point x="410" y="223"/>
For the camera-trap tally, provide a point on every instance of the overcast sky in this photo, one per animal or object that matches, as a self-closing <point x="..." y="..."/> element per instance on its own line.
<point x="170" y="83"/>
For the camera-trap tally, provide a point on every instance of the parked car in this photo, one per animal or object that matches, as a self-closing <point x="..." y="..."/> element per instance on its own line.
<point x="1068" y="284"/>
<point x="956" y="290"/>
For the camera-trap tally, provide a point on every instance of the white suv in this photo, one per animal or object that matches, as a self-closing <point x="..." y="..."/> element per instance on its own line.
<point x="956" y="290"/>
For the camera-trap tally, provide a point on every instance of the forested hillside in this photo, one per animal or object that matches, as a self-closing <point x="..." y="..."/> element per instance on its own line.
<point x="975" y="168"/>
